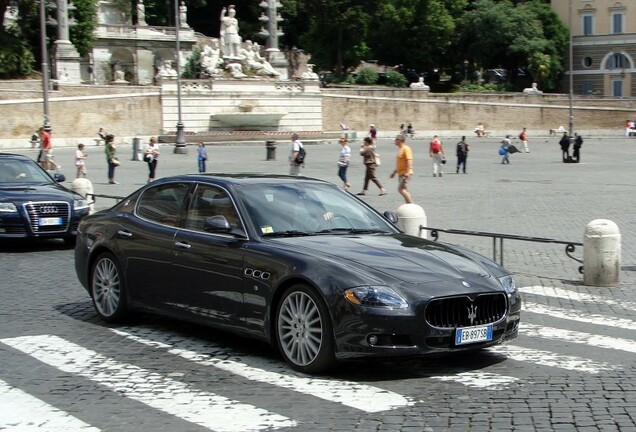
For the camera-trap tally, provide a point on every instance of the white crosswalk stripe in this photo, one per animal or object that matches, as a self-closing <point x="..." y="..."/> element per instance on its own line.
<point x="363" y="397"/>
<point x="222" y="414"/>
<point x="206" y="409"/>
<point x="18" y="406"/>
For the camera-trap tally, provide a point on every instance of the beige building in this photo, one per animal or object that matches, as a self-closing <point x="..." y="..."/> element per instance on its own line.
<point x="603" y="45"/>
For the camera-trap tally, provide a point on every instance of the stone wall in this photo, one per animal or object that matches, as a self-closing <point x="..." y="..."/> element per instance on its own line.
<point x="387" y="109"/>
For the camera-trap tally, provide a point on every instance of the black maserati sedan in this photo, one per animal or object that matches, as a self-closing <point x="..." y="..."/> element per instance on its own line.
<point x="294" y="261"/>
<point x="33" y="204"/>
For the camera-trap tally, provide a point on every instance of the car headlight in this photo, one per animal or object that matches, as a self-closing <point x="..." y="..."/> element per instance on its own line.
<point x="508" y="283"/>
<point x="375" y="296"/>
<point x="7" y="207"/>
<point x="80" y="204"/>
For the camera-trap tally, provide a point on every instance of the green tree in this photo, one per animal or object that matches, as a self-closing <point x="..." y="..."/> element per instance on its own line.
<point x="83" y="32"/>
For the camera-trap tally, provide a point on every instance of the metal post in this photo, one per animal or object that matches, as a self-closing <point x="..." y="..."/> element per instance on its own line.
<point x="571" y="119"/>
<point x="180" y="145"/>
<point x="45" y="64"/>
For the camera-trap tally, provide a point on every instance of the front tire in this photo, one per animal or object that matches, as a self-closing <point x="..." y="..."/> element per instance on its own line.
<point x="304" y="331"/>
<point x="107" y="289"/>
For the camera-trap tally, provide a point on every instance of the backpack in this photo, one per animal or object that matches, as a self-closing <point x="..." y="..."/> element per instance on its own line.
<point x="300" y="157"/>
<point x="436" y="147"/>
<point x="521" y="136"/>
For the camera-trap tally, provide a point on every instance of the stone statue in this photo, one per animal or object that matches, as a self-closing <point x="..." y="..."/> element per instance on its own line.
<point x="236" y="70"/>
<point x="230" y="38"/>
<point x="253" y="59"/>
<point x="532" y="90"/>
<point x="211" y="58"/>
<point x="141" y="13"/>
<point x="166" y="70"/>
<point x="118" y="73"/>
<point x="183" y="14"/>
<point x="419" y="85"/>
<point x="309" y="74"/>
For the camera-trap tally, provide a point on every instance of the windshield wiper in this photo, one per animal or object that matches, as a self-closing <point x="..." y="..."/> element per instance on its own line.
<point x="289" y="233"/>
<point x="352" y="231"/>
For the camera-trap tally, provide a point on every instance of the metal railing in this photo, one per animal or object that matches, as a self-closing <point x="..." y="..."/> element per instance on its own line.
<point x="498" y="238"/>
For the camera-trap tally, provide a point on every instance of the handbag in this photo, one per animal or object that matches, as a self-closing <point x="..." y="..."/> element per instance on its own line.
<point x="378" y="161"/>
<point x="115" y="161"/>
<point x="147" y="158"/>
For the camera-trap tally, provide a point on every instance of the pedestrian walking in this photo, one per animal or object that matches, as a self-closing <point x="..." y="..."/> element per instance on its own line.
<point x="202" y="156"/>
<point x="373" y="132"/>
<point x="403" y="167"/>
<point x="80" y="161"/>
<point x="523" y="136"/>
<point x="436" y="152"/>
<point x="564" y="142"/>
<point x="344" y="158"/>
<point x="462" y="155"/>
<point x="111" y="157"/>
<point x="46" y="155"/>
<point x="370" y="159"/>
<point x="296" y="155"/>
<point x="578" y="143"/>
<point x="151" y="156"/>
<point x="504" y="150"/>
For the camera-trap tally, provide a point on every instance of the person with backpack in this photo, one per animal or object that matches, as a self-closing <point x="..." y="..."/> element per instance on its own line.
<point x="436" y="152"/>
<point x="578" y="142"/>
<point x="296" y="156"/>
<point x="462" y="154"/>
<point x="523" y="137"/>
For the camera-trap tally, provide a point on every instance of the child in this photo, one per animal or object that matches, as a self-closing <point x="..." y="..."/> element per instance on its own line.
<point x="505" y="149"/>
<point x="80" y="163"/>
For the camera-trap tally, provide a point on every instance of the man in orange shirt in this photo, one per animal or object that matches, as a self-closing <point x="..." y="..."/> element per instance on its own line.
<point x="403" y="167"/>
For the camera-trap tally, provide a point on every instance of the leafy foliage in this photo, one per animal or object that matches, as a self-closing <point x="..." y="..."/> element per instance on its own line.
<point x="367" y="75"/>
<point x="193" y="67"/>
<point x="16" y="58"/>
<point x="396" y="79"/>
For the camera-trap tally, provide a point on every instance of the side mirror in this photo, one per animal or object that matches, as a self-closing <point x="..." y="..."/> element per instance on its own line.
<point x="391" y="216"/>
<point x="217" y="224"/>
<point x="59" y="177"/>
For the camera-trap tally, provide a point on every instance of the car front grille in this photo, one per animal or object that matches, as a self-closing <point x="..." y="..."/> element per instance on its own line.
<point x="462" y="311"/>
<point x="36" y="211"/>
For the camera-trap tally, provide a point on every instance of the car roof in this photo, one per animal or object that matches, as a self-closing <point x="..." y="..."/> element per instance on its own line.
<point x="245" y="178"/>
<point x="14" y="156"/>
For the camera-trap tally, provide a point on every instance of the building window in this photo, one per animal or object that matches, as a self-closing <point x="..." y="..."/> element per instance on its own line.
<point x="617" y="22"/>
<point x="617" y="61"/>
<point x="588" y="25"/>
<point x="617" y="88"/>
<point x="587" y="88"/>
<point x="587" y="62"/>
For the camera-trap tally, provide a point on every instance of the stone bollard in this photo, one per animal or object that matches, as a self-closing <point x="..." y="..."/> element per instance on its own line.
<point x="410" y="218"/>
<point x="601" y="253"/>
<point x="84" y="186"/>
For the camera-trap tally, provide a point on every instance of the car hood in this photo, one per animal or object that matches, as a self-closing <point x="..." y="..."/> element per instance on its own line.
<point x="405" y="258"/>
<point x="35" y="192"/>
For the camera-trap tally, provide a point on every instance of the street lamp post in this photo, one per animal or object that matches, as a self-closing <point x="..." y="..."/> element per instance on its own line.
<point x="571" y="58"/>
<point x="45" y="65"/>
<point x="180" y="146"/>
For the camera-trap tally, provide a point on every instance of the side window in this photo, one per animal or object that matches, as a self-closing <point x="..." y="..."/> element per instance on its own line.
<point x="208" y="201"/>
<point x="162" y="204"/>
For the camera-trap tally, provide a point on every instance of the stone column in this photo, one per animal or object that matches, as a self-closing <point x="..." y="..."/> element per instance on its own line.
<point x="67" y="59"/>
<point x="271" y="18"/>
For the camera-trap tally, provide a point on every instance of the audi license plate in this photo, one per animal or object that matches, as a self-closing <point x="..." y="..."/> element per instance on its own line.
<point x="467" y="335"/>
<point x="48" y="221"/>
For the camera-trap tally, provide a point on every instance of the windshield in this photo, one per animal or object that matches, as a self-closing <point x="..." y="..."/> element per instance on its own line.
<point x="20" y="172"/>
<point x="309" y="209"/>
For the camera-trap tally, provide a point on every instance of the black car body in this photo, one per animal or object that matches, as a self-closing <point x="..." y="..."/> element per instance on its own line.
<point x="33" y="204"/>
<point x="293" y="261"/>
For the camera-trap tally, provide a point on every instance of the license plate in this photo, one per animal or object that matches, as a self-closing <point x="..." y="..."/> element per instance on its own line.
<point x="468" y="335"/>
<point x="48" y="221"/>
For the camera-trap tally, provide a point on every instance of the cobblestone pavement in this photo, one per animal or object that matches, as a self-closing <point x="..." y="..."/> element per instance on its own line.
<point x="573" y="366"/>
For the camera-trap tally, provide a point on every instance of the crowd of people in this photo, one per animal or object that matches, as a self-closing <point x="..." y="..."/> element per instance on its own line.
<point x="403" y="168"/>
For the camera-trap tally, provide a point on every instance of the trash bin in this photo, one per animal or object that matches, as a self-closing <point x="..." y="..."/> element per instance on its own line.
<point x="137" y="151"/>
<point x="271" y="150"/>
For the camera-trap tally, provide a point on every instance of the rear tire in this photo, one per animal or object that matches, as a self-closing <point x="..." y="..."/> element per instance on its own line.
<point x="304" y="331"/>
<point x="108" y="290"/>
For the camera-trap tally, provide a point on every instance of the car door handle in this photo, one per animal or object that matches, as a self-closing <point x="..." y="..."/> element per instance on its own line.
<point x="122" y="233"/>
<point x="183" y="245"/>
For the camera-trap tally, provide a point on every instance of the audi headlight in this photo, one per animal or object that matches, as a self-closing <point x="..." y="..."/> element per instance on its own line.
<point x="80" y="204"/>
<point x="7" y="207"/>
<point x="508" y="283"/>
<point x="375" y="296"/>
